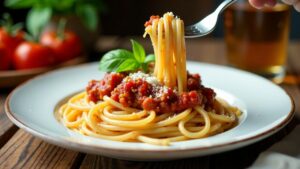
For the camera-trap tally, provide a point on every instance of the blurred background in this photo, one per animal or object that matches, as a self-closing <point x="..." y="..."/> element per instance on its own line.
<point x="127" y="17"/>
<point x="131" y="14"/>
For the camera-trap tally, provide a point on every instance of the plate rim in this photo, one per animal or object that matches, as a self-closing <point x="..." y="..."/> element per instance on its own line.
<point x="65" y="143"/>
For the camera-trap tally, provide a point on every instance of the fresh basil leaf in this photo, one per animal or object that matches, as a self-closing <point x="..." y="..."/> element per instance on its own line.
<point x="138" y="51"/>
<point x="113" y="59"/>
<point x="88" y="14"/>
<point x="65" y="5"/>
<point x="128" y="65"/>
<point x="150" y="58"/>
<point x="17" y="4"/>
<point x="37" y="19"/>
<point x="121" y="60"/>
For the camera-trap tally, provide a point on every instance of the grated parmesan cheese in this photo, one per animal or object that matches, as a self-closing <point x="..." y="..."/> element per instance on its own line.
<point x="146" y="77"/>
<point x="157" y="88"/>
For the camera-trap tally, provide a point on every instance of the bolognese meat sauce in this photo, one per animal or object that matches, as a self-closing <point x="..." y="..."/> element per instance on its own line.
<point x="98" y="89"/>
<point x="152" y="18"/>
<point x="143" y="91"/>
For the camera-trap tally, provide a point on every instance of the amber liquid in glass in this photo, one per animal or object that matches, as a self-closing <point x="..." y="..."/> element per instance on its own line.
<point x="257" y="39"/>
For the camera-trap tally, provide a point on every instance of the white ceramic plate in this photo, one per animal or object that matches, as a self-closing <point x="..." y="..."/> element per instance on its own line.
<point x="266" y="109"/>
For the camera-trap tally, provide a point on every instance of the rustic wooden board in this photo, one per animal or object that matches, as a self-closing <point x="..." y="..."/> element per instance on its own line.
<point x="93" y="162"/>
<point x="25" y="151"/>
<point x="7" y="128"/>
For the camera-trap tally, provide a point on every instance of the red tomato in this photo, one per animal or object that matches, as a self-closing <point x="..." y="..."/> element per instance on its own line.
<point x="10" y="42"/>
<point x="65" y="49"/>
<point x="4" y="58"/>
<point x="33" y="55"/>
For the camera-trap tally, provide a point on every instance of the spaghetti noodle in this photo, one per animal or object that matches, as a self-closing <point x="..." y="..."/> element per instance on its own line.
<point x="121" y="107"/>
<point x="167" y="36"/>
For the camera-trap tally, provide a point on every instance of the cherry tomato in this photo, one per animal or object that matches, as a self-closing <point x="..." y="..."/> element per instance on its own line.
<point x="4" y="58"/>
<point x="66" y="47"/>
<point x="10" y="43"/>
<point x="33" y="55"/>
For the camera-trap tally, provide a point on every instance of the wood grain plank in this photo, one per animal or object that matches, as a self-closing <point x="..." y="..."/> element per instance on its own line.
<point x="7" y="128"/>
<point x="25" y="151"/>
<point x="100" y="162"/>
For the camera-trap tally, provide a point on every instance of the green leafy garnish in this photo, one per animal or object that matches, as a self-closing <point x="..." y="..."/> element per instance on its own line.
<point x="41" y="11"/>
<point x="138" y="51"/>
<point x="37" y="18"/>
<point x="8" y="25"/>
<point x="150" y="58"/>
<point x="122" y="60"/>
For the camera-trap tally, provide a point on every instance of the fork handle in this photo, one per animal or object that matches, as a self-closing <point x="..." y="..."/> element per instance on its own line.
<point x="224" y="5"/>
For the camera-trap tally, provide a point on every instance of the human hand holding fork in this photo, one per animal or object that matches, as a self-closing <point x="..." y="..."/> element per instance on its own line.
<point x="261" y="3"/>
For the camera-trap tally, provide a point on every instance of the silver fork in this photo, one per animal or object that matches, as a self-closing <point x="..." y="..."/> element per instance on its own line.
<point x="208" y="24"/>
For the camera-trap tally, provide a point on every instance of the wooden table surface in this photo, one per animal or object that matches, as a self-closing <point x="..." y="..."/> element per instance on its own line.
<point x="20" y="149"/>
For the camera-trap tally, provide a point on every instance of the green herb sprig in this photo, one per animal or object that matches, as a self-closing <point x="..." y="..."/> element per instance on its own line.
<point x="8" y="25"/>
<point x="41" y="11"/>
<point x="122" y="60"/>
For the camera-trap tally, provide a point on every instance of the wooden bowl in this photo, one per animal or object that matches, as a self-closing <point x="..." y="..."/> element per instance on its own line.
<point x="11" y="78"/>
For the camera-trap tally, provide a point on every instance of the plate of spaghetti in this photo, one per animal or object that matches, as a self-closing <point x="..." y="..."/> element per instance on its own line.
<point x="150" y="107"/>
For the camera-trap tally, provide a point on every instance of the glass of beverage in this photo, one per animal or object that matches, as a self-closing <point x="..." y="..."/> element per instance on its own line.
<point x="256" y="40"/>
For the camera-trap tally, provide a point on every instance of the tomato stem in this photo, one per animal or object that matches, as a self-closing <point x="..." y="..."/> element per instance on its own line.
<point x="8" y="25"/>
<point x="61" y="28"/>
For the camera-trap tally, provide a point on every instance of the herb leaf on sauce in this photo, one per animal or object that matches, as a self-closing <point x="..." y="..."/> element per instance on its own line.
<point x="138" y="51"/>
<point x="122" y="60"/>
<point x="150" y="58"/>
